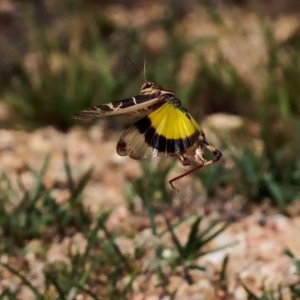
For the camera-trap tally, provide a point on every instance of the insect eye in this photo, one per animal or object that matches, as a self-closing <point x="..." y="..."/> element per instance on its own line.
<point x="147" y="85"/>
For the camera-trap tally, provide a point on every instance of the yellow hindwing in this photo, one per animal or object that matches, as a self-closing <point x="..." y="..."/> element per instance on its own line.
<point x="172" y="122"/>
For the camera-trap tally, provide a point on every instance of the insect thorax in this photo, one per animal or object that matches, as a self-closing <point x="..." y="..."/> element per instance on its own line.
<point x="177" y="103"/>
<point x="151" y="87"/>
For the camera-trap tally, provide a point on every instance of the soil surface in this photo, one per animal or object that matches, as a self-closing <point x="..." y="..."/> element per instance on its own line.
<point x="257" y="235"/>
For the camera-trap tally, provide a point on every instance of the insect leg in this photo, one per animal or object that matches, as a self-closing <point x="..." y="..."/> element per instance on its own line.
<point x="184" y="160"/>
<point x="199" y="158"/>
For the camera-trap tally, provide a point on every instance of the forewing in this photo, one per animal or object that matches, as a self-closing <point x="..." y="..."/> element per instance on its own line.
<point x="133" y="107"/>
<point x="166" y="131"/>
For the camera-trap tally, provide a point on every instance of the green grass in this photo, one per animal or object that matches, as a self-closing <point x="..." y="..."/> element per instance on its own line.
<point x="64" y="72"/>
<point x="37" y="215"/>
<point x="273" y="172"/>
<point x="36" y="212"/>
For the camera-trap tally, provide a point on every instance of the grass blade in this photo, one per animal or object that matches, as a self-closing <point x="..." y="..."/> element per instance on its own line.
<point x="24" y="280"/>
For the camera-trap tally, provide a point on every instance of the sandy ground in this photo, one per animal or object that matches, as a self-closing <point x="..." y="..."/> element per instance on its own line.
<point x="257" y="235"/>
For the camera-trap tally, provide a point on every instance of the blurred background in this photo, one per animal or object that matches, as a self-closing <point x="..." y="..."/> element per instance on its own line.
<point x="79" y="222"/>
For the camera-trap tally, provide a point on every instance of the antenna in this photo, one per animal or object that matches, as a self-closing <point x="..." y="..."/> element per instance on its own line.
<point x="144" y="79"/>
<point x="144" y="67"/>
